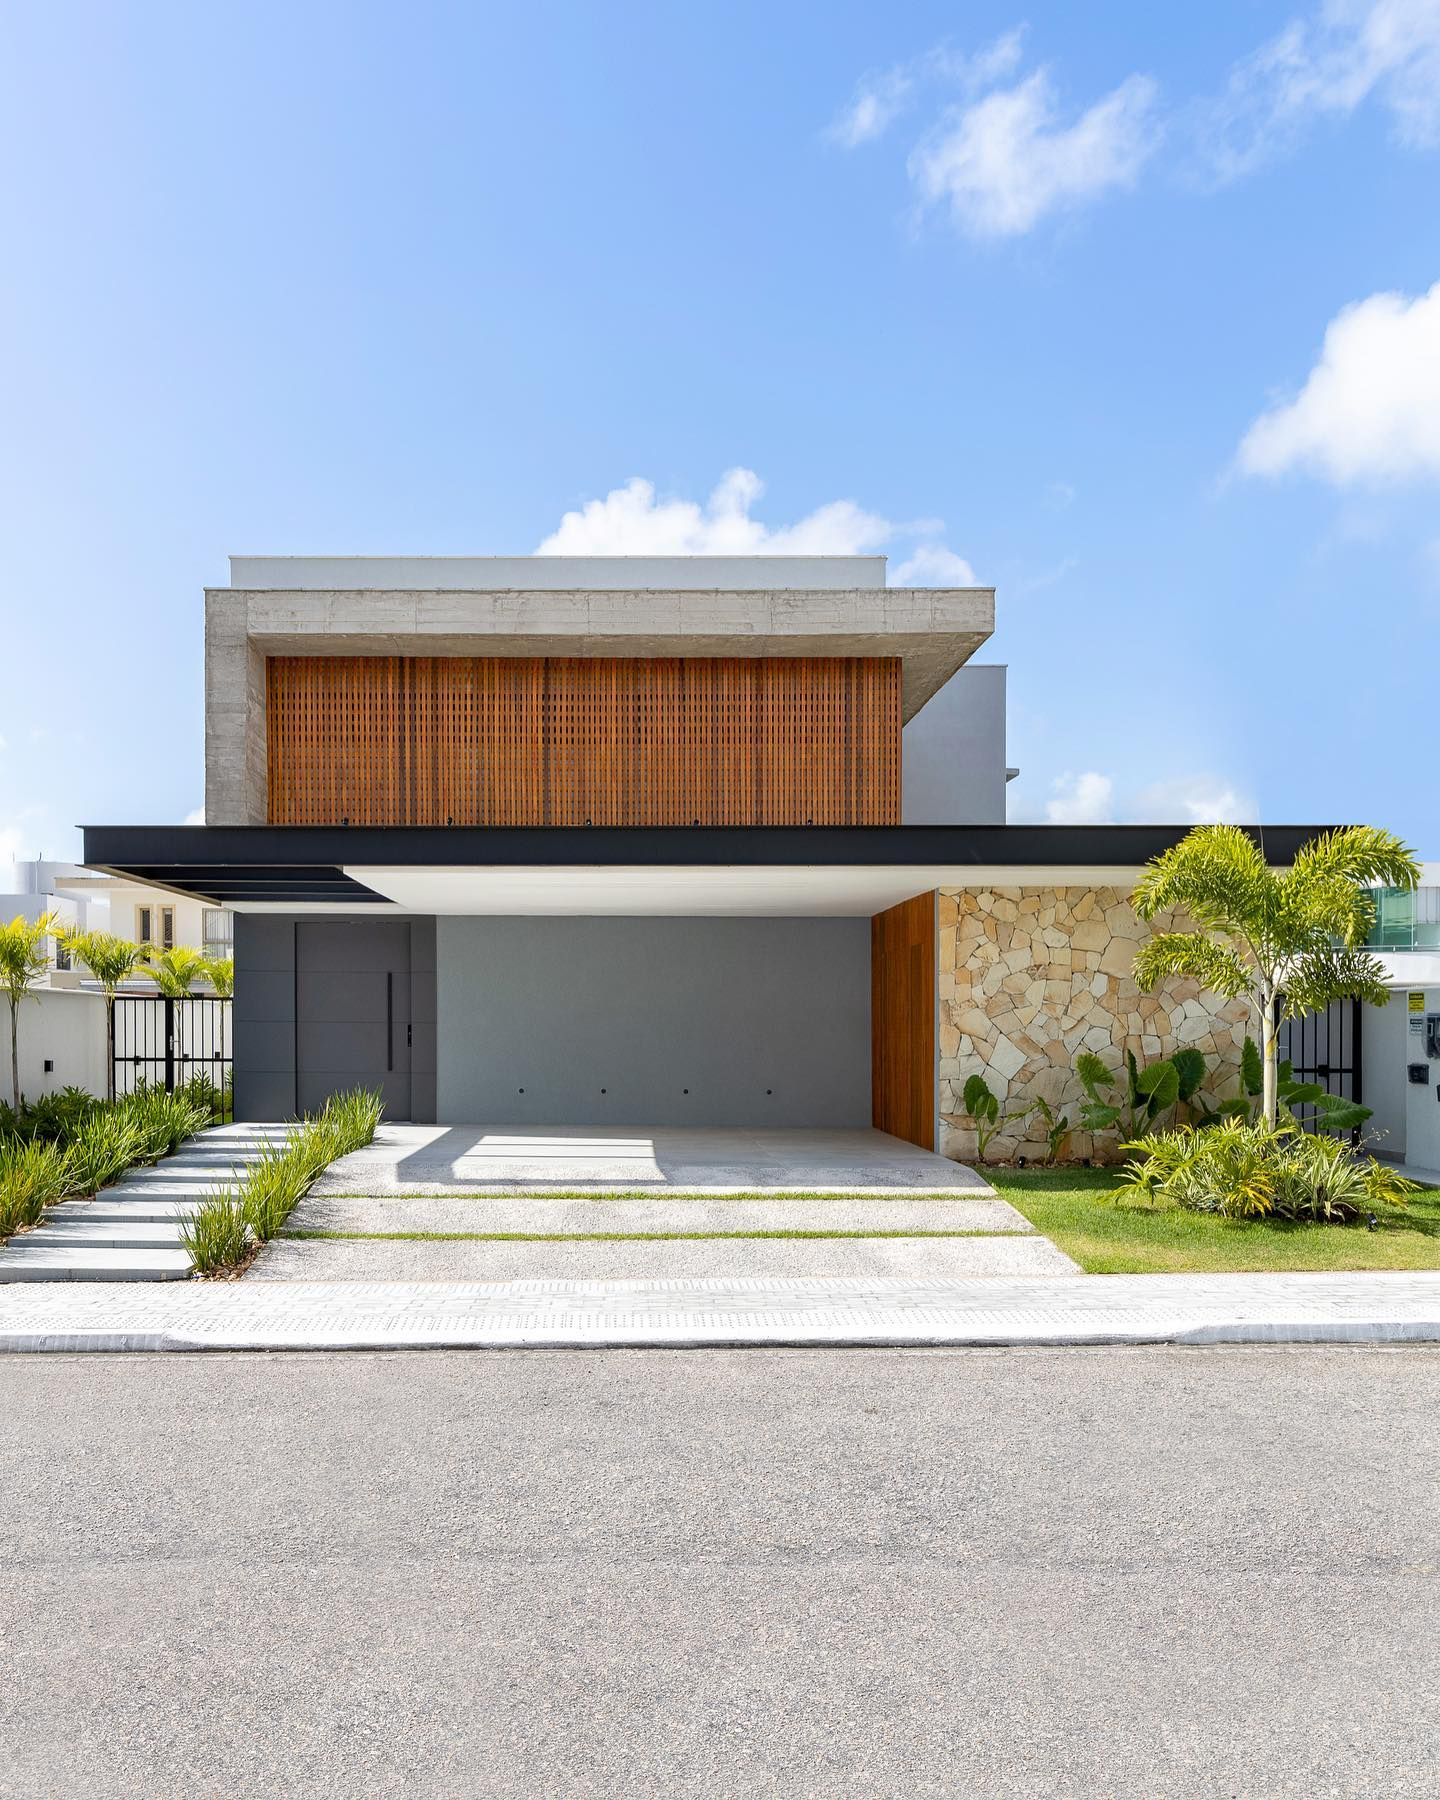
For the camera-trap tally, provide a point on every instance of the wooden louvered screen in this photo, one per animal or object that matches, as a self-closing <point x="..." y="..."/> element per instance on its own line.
<point x="902" y="1020"/>
<point x="458" y="740"/>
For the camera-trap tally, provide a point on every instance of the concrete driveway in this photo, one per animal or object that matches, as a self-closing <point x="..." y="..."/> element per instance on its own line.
<point x="458" y="1203"/>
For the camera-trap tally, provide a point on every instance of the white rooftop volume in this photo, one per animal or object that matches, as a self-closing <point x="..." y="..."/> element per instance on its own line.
<point x="556" y="574"/>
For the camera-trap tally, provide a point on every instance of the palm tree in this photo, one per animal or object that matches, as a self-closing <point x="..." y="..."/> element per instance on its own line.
<point x="24" y="958"/>
<point x="220" y="971"/>
<point x="175" y="971"/>
<point x="1290" y="941"/>
<point x="110" y="961"/>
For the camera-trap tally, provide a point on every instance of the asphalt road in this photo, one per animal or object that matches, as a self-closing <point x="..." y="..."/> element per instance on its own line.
<point x="1080" y="1573"/>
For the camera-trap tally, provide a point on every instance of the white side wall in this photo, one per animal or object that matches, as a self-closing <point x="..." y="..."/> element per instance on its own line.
<point x="1422" y="1103"/>
<point x="64" y="1026"/>
<point x="1384" y="1051"/>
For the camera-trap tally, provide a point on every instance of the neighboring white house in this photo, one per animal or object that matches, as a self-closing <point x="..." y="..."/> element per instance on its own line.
<point x="62" y="1030"/>
<point x="99" y="902"/>
<point x="1401" y="1041"/>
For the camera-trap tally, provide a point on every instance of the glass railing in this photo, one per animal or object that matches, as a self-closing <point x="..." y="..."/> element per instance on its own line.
<point x="1406" y="920"/>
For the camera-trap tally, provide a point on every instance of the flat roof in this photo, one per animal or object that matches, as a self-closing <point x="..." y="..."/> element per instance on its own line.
<point x="556" y="574"/>
<point x="659" y="870"/>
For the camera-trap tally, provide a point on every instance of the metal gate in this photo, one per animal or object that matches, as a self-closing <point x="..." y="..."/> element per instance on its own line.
<point x="1325" y="1047"/>
<point x="162" y="1043"/>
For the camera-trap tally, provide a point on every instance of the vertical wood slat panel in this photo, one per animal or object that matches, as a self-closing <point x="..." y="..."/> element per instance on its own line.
<point x="902" y="1020"/>
<point x="388" y="740"/>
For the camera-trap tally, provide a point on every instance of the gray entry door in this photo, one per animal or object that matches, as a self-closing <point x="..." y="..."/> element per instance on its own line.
<point x="352" y="1010"/>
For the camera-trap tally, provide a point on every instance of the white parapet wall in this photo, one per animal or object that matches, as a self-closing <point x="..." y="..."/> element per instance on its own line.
<point x="62" y="1026"/>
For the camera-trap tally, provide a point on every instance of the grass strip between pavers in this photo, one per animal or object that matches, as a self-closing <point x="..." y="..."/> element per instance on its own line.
<point x="630" y="1237"/>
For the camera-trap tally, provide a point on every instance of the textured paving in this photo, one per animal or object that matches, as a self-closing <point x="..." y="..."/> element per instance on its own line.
<point x="490" y="1159"/>
<point x="917" y="1259"/>
<point x="1105" y="1309"/>
<point x="679" y="1213"/>
<point x="131" y="1231"/>
<point x="764" y="1575"/>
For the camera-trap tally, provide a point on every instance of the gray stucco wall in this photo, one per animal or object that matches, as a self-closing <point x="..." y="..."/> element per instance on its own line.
<point x="263" y="1021"/>
<point x="954" y="752"/>
<point x="646" y="1008"/>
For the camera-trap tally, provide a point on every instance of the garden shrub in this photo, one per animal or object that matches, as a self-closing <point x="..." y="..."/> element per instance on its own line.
<point x="1244" y="1169"/>
<point x="32" y="1175"/>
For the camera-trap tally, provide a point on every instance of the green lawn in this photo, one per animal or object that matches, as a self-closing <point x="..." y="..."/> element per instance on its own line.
<point x="1106" y="1237"/>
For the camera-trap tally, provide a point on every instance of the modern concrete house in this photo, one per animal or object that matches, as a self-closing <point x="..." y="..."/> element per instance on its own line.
<point x="715" y="841"/>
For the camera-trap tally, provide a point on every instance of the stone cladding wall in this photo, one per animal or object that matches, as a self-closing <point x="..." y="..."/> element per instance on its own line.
<point x="1031" y="976"/>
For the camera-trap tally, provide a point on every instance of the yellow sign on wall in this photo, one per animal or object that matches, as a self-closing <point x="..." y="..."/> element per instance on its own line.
<point x="1417" y="1001"/>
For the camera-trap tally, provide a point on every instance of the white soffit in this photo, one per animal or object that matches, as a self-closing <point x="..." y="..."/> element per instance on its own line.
<point x="716" y="892"/>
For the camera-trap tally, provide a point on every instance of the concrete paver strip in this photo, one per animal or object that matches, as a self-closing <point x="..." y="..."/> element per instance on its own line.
<point x="563" y="1217"/>
<point x="1099" y="1309"/>
<point x="480" y="1159"/>
<point x="918" y="1259"/>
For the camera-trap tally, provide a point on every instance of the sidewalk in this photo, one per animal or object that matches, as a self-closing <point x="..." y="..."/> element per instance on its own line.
<point x="1098" y="1309"/>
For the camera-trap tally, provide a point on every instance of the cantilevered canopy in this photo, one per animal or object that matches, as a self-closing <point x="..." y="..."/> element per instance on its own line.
<point x="660" y="871"/>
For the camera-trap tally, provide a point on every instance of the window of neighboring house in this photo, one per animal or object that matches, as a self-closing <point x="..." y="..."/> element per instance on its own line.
<point x="62" y="954"/>
<point x="155" y="925"/>
<point x="217" y="931"/>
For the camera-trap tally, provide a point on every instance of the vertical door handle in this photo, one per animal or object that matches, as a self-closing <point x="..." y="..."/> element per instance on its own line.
<point x="389" y="1020"/>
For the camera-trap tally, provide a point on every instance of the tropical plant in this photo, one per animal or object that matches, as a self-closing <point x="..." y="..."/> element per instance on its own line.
<point x="1142" y="1096"/>
<point x="24" y="958"/>
<point x="1247" y="1169"/>
<point x="174" y="971"/>
<point x="111" y="960"/>
<point x="220" y="972"/>
<point x="1289" y="942"/>
<point x="1057" y="1130"/>
<point x="985" y="1113"/>
<point x="103" y="1147"/>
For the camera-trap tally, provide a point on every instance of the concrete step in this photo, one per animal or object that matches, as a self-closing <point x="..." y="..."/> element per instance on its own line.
<point x="73" y="1262"/>
<point x="76" y="1211"/>
<point x="159" y="1191"/>
<point x="596" y="1218"/>
<point x="129" y="1234"/>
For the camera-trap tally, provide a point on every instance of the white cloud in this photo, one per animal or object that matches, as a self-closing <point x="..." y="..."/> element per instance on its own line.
<point x="932" y="565"/>
<point x="1004" y="163"/>
<point x="1090" y="798"/>
<point x="1370" y="409"/>
<point x="634" y="520"/>
<point x="1346" y="53"/>
<point x="878" y="101"/>
<point x="1192" y="800"/>
<point x="1080" y="799"/>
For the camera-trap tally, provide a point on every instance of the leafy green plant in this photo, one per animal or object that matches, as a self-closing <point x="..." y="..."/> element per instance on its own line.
<point x="1142" y="1096"/>
<point x="220" y="973"/>
<point x="24" y="958"/>
<point x="985" y="1113"/>
<point x="1248" y="1169"/>
<point x="278" y="1177"/>
<point x="111" y="960"/>
<point x="217" y="1234"/>
<point x="32" y="1175"/>
<point x="1058" y="1131"/>
<point x="1288" y="941"/>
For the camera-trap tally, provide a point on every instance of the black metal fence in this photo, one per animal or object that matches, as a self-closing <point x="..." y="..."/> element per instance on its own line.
<point x="1325" y="1047"/>
<point x="162" y="1043"/>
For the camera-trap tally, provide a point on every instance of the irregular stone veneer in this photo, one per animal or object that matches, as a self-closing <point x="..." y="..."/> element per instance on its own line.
<point x="1029" y="977"/>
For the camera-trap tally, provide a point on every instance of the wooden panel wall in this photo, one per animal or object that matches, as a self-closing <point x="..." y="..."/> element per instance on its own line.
<point x="389" y="740"/>
<point x="902" y="1020"/>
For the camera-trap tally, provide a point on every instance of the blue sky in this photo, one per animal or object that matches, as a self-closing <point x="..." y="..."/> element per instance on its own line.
<point x="1128" y="311"/>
